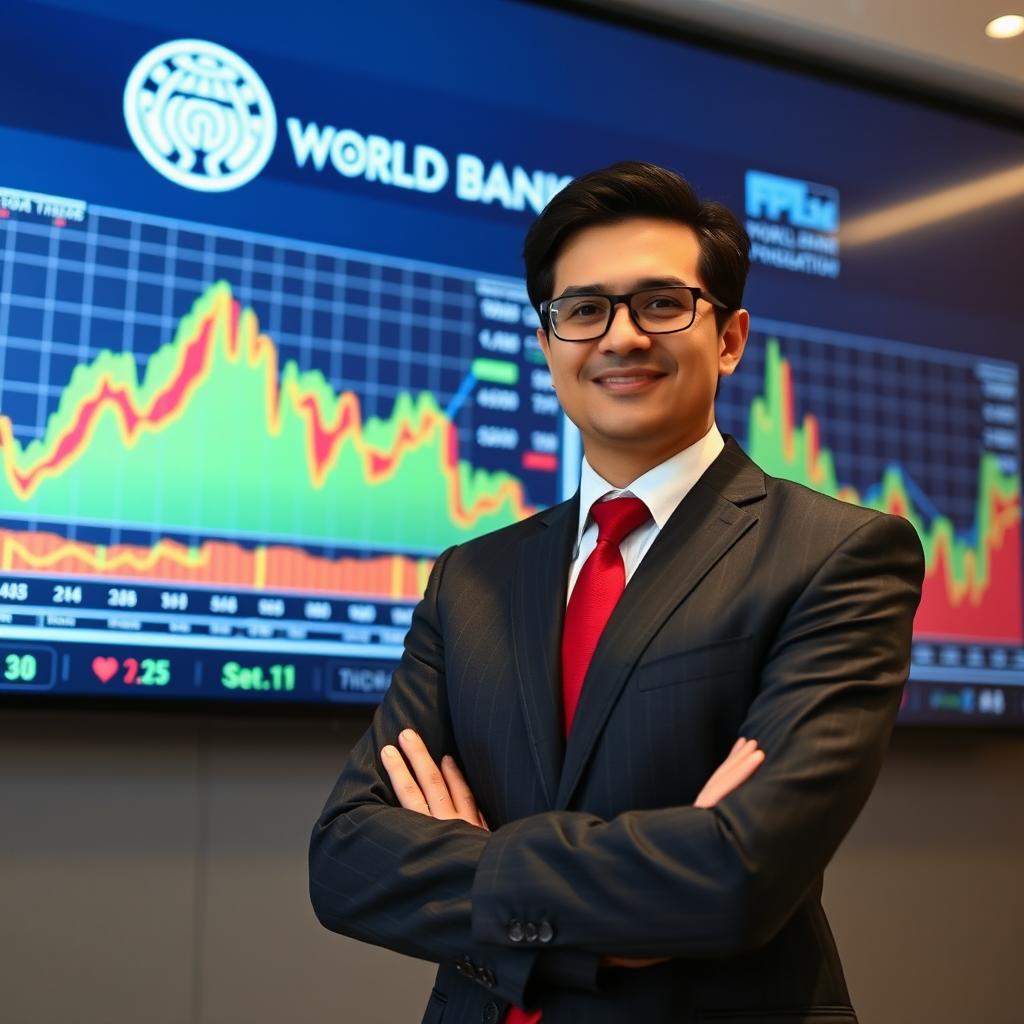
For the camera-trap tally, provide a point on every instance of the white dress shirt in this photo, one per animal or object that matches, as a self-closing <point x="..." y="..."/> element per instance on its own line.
<point x="661" y="489"/>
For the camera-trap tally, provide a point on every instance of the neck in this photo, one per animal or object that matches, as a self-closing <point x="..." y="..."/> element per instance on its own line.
<point x="620" y="466"/>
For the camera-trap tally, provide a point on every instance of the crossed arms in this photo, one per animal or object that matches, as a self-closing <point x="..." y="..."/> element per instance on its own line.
<point x="443" y="793"/>
<point x="704" y="880"/>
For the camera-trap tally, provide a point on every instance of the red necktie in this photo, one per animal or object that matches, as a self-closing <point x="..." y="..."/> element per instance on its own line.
<point x="598" y="589"/>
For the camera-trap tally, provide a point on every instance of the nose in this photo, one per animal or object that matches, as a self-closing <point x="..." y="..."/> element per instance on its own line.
<point x="623" y="335"/>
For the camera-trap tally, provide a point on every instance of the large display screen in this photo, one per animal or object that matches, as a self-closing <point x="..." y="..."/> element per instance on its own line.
<point x="265" y="348"/>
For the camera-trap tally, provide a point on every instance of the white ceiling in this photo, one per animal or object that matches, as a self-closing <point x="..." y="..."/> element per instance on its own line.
<point x="938" y="44"/>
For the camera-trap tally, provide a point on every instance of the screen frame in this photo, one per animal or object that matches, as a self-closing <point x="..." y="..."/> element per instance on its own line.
<point x="878" y="83"/>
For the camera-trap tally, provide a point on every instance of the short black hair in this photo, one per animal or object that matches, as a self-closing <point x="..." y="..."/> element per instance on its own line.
<point x="633" y="189"/>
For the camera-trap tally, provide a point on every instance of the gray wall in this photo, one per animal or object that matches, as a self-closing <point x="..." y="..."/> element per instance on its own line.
<point x="152" y="869"/>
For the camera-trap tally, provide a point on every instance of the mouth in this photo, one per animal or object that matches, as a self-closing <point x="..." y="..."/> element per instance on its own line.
<point x="630" y="381"/>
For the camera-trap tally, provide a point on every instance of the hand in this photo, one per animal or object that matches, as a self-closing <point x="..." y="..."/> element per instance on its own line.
<point x="439" y="793"/>
<point x="744" y="759"/>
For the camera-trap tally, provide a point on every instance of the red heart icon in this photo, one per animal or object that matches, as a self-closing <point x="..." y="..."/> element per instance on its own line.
<point x="105" y="668"/>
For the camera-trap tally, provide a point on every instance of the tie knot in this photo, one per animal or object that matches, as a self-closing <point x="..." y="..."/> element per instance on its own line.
<point x="618" y="518"/>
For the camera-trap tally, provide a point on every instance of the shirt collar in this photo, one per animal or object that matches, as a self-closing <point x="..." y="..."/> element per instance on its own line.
<point x="661" y="489"/>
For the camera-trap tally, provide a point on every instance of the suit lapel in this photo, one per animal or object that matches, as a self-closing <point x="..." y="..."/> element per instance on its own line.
<point x="706" y="524"/>
<point x="538" y="609"/>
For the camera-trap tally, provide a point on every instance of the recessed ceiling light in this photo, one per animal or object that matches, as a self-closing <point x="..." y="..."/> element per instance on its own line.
<point x="1006" y="27"/>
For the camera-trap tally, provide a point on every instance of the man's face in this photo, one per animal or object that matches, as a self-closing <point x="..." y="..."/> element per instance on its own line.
<point x="636" y="396"/>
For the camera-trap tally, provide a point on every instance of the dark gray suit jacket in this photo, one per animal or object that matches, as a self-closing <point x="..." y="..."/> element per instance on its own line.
<point x="763" y="609"/>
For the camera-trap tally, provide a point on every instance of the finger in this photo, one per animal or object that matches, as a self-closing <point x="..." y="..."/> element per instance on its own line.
<point x="462" y="796"/>
<point x="733" y="771"/>
<point x="428" y="776"/>
<point x="741" y="749"/>
<point x="738" y="766"/>
<point x="406" y="790"/>
<point x="739" y="771"/>
<point x="728" y="777"/>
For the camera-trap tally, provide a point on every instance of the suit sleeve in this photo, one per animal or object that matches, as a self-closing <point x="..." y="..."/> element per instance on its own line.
<point x="400" y="879"/>
<point x="692" y="882"/>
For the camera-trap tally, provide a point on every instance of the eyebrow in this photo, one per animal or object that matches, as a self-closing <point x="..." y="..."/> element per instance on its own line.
<point x="640" y="285"/>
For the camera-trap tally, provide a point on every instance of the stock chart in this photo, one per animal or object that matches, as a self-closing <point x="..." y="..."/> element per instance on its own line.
<point x="214" y="440"/>
<point x="848" y="416"/>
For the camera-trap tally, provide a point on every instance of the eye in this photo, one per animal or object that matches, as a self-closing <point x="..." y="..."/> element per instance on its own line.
<point x="663" y="307"/>
<point x="660" y="302"/>
<point x="584" y="309"/>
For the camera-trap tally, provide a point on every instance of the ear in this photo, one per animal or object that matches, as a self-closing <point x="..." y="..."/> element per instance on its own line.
<point x="732" y="341"/>
<point x="545" y="345"/>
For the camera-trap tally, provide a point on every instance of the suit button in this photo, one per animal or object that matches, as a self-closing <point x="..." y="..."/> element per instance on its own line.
<point x="530" y="932"/>
<point x="515" y="930"/>
<point x="491" y="1013"/>
<point x="546" y="931"/>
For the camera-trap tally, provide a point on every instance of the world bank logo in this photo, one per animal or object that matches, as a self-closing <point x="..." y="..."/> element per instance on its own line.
<point x="200" y="115"/>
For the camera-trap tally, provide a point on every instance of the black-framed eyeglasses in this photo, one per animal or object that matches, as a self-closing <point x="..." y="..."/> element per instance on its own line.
<point x="653" y="310"/>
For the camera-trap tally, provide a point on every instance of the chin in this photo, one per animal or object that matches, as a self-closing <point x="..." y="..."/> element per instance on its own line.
<point x="631" y="436"/>
<point x="624" y="421"/>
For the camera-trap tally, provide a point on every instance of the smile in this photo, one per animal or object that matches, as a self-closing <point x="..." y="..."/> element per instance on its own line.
<point x="628" y="383"/>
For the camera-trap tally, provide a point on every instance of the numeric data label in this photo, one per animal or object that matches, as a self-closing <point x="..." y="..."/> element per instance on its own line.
<point x="27" y="667"/>
<point x="258" y="678"/>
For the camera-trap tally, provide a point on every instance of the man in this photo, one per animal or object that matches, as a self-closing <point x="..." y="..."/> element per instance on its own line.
<point x="573" y="680"/>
